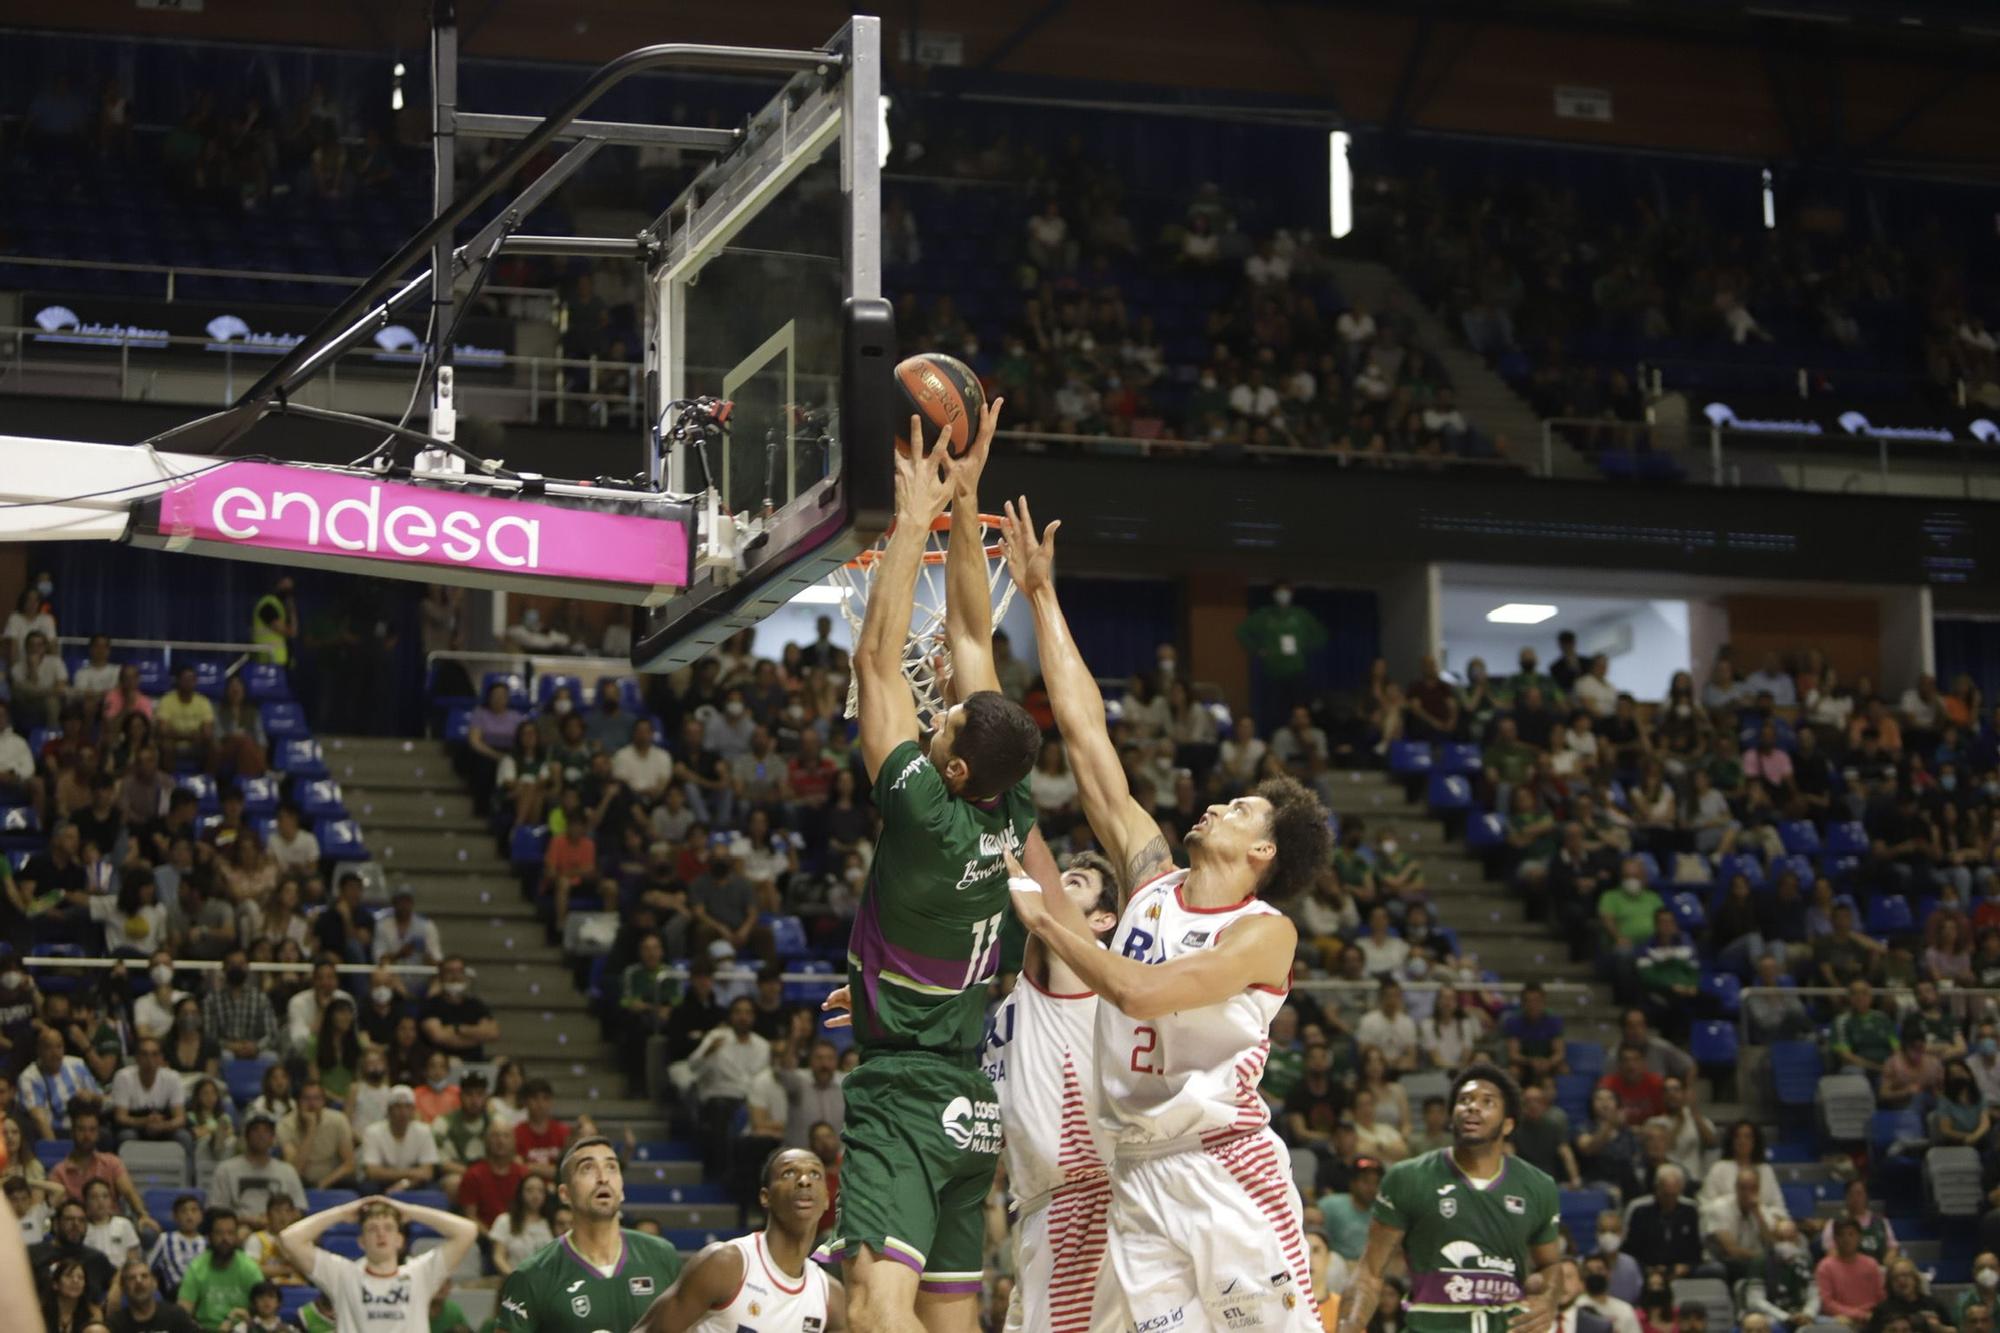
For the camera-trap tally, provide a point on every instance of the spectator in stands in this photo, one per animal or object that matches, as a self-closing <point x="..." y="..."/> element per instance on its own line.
<point x="1850" y="1283"/>
<point x="237" y="1016"/>
<point x="437" y="1094"/>
<point x="1774" y="1017"/>
<point x="1452" y="1035"/>
<point x="540" y="1138"/>
<point x="1909" y="1072"/>
<point x="1639" y="1090"/>
<point x="217" y="1284"/>
<point x="306" y="1011"/>
<point x="1663" y="1229"/>
<point x="724" y="906"/>
<point x="148" y="1101"/>
<point x="295" y="849"/>
<point x="39" y="681"/>
<point x="66" y="1243"/>
<point x="1741" y="1229"/>
<point x="185" y="722"/>
<point x="461" y="1132"/>
<point x="107" y="1232"/>
<point x="144" y="1311"/>
<point x="318" y="1140"/>
<point x="489" y="1186"/>
<point x="454" y="1020"/>
<point x="1662" y="1056"/>
<point x="1383" y="952"/>
<point x="85" y="1162"/>
<point x="608" y="726"/>
<point x="1785" y="1290"/>
<point x="1843" y="955"/>
<point x="1874" y="1236"/>
<point x="1388" y="1027"/>
<point x="1597" y="1299"/>
<point x="397" y="1153"/>
<point x="1536" y="1049"/>
<point x="1541" y="1139"/>
<point x="642" y="766"/>
<point x="722" y="1068"/>
<point x="54" y="1085"/>
<point x="1962" y="1116"/>
<point x="1668" y="972"/>
<point x="1904" y="1298"/>
<point x="1347" y="1215"/>
<point x="406" y="937"/>
<point x="178" y="1247"/>
<point x="1691" y="1136"/>
<point x="697" y="1013"/>
<point x="247" y="1181"/>
<point x="1863" y="1037"/>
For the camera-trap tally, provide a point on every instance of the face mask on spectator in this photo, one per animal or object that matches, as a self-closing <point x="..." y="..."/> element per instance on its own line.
<point x="454" y="988"/>
<point x="381" y="994"/>
<point x="1281" y="597"/>
<point x="1388" y="846"/>
<point x="163" y="976"/>
<point x="1608" y="1242"/>
<point x="854" y="874"/>
<point x="734" y="708"/>
<point x="1789" y="1251"/>
<point x="46" y="588"/>
<point x="531" y="619"/>
<point x="13" y="980"/>
<point x="796" y="712"/>
<point x="562" y="707"/>
<point x="1988" y="1278"/>
<point x="1633" y="885"/>
<point x="1988" y="1047"/>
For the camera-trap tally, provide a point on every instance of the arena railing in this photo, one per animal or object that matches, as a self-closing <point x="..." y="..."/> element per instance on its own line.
<point x="576" y="391"/>
<point x="167" y="646"/>
<point x="171" y="274"/>
<point x="1965" y="1002"/>
<point x="1132" y="446"/>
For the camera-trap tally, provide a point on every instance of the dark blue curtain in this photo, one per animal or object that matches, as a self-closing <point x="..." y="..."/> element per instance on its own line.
<point x="1968" y="647"/>
<point x="360" y="663"/>
<point x="1119" y="624"/>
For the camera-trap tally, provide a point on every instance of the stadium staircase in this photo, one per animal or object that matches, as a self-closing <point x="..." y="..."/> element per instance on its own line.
<point x="424" y="834"/>
<point x="1486" y="399"/>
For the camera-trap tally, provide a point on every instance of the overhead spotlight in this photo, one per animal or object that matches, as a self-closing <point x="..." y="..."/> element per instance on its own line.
<point x="396" y="88"/>
<point x="1521" y="613"/>
<point x="1340" y="185"/>
<point x="818" y="595"/>
<point x="1770" y="203"/>
<point x="882" y="131"/>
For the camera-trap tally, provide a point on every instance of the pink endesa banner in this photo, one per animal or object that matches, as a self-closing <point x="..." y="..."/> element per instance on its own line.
<point x="336" y="514"/>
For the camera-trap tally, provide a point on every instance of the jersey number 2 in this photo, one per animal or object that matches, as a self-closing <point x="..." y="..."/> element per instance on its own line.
<point x="985" y="934"/>
<point x="1147" y="1042"/>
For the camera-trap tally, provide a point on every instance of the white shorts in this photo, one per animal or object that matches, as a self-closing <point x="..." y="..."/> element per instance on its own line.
<point x="1061" y="1282"/>
<point x="1211" y="1238"/>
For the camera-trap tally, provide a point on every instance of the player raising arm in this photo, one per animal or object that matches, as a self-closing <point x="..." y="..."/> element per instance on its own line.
<point x="764" y="1282"/>
<point x="1477" y="1226"/>
<point x="923" y="1128"/>
<point x="1206" y="1228"/>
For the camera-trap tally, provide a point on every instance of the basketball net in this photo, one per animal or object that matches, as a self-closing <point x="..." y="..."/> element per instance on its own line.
<point x="926" y="658"/>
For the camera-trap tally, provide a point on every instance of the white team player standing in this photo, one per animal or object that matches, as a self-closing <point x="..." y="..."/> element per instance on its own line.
<point x="380" y="1293"/>
<point x="764" y="1282"/>
<point x="1206" y="1227"/>
<point x="1041" y="1055"/>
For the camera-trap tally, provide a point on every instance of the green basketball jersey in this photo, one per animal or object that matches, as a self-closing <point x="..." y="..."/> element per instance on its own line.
<point x="1468" y="1248"/>
<point x="927" y="934"/>
<point x="556" y="1291"/>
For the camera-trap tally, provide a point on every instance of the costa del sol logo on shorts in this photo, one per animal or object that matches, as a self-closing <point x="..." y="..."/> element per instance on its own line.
<point x="972" y="1126"/>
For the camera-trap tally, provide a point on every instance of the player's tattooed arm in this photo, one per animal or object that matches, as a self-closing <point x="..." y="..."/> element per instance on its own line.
<point x="1148" y="863"/>
<point x="1358" y="1307"/>
<point x="708" y="1283"/>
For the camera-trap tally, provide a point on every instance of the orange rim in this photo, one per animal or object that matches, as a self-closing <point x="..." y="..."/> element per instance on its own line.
<point x="942" y="523"/>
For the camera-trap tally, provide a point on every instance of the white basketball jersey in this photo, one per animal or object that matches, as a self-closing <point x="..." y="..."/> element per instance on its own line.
<point x="1040" y="1053"/>
<point x="1176" y="1081"/>
<point x="768" y="1301"/>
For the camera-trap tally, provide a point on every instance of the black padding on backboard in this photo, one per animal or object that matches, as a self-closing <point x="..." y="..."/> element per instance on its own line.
<point x="869" y="405"/>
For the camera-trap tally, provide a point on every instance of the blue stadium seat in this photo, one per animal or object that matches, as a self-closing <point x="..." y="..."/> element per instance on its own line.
<point x="154" y="678"/>
<point x="1727" y="868"/>
<point x="302" y="758"/>
<point x="267" y="683"/>
<point x="688" y="1240"/>
<point x="160" y="1202"/>
<point x="318" y="1201"/>
<point x="50" y="1151"/>
<point x="1800" y="836"/>
<point x="1586" y="1058"/>
<point x="245" y="1078"/>
<point x="209" y="678"/>
<point x="789" y="933"/>
<point x="1410" y="758"/>
<point x="284" y="720"/>
<point x="260" y="795"/>
<point x="1712" y="1043"/>
<point x="1689" y="912"/>
<point x="549" y="682"/>
<point x="20" y="829"/>
<point x="1484" y="831"/>
<point x="1800" y="1201"/>
<point x="1724" y="990"/>
<point x="630" y="697"/>
<point x="1461" y="757"/>
<point x="528" y="845"/>
<point x="1888" y="1128"/>
<point x="207" y="795"/>
<point x="293" y="1299"/>
<point x="1848" y="838"/>
<point x="809" y="992"/>
<point x="341" y="840"/>
<point x="457" y="723"/>
<point x="320" y="799"/>
<point x="1573" y="1096"/>
<point x="1448" y="791"/>
<point x="1795" y="1072"/>
<point x="426" y="1199"/>
<point x="1890" y="915"/>
<point x="665" y="1150"/>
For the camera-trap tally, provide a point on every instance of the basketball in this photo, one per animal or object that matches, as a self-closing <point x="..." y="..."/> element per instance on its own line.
<point x="945" y="393"/>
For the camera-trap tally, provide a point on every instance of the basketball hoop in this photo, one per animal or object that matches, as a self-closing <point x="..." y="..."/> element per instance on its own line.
<point x="926" y="659"/>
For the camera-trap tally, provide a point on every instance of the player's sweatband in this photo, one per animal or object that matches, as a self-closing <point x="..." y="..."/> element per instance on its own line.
<point x="1023" y="884"/>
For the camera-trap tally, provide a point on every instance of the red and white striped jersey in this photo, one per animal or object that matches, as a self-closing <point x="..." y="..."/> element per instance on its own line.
<point x="1040" y="1054"/>
<point x="1189" y="1077"/>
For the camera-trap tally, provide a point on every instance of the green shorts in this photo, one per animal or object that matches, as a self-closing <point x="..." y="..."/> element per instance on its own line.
<point x="922" y="1141"/>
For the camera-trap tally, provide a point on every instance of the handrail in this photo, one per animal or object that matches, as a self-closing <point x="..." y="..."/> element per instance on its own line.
<point x="214" y="965"/>
<point x="1351" y="457"/>
<point x="187" y="645"/>
<point x="128" y="339"/>
<point x="256" y="275"/>
<point x="1954" y="997"/>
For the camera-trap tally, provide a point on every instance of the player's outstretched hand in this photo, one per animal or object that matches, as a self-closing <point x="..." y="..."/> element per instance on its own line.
<point x="838" y="1007"/>
<point x="924" y="484"/>
<point x="1539" y="1313"/>
<point x="972" y="462"/>
<point x="1031" y="560"/>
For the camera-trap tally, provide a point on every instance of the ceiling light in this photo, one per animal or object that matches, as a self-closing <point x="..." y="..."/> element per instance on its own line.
<point x="1521" y="613"/>
<point x="822" y="595"/>
<point x="1340" y="186"/>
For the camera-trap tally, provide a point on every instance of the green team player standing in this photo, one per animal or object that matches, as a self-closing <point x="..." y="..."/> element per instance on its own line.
<point x="597" y="1278"/>
<point x="1476" y="1226"/>
<point x="923" y="1126"/>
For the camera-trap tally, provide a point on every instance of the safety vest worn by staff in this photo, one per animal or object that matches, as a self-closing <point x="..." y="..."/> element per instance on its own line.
<point x="272" y="646"/>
